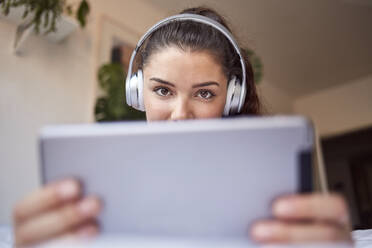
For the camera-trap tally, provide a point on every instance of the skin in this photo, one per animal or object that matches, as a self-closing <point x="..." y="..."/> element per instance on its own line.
<point x="198" y="92"/>
<point x="173" y="91"/>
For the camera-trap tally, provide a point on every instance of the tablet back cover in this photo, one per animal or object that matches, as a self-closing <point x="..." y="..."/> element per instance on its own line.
<point x="205" y="178"/>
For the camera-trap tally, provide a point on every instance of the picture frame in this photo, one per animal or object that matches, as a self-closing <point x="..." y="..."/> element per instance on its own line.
<point x="114" y="48"/>
<point x="116" y="43"/>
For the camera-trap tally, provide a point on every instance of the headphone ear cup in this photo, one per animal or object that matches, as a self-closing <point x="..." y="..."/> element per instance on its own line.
<point x="132" y="97"/>
<point x="128" y="88"/>
<point x="140" y="105"/>
<point x="234" y="107"/>
<point x="134" y="91"/>
<point x="229" y="96"/>
<point x="234" y="90"/>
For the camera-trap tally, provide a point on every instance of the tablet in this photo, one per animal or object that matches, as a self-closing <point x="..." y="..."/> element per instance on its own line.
<point x="195" y="178"/>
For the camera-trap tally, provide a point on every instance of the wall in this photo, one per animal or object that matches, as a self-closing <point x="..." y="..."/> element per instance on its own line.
<point x="55" y="83"/>
<point x="49" y="84"/>
<point x="339" y="109"/>
<point x="274" y="100"/>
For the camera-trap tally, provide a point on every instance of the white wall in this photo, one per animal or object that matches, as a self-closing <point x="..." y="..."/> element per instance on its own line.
<point x="274" y="100"/>
<point x="339" y="109"/>
<point x="50" y="83"/>
<point x="55" y="83"/>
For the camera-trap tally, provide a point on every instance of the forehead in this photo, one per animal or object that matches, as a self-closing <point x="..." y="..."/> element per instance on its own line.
<point x="175" y="65"/>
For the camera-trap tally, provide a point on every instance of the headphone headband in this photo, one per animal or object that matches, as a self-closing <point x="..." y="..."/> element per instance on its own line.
<point x="199" y="19"/>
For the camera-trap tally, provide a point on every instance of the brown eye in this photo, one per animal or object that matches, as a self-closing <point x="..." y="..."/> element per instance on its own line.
<point x="162" y="91"/>
<point x="205" y="94"/>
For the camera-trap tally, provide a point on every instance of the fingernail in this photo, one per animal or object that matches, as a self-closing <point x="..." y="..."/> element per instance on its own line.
<point x="87" y="232"/>
<point x="89" y="207"/>
<point x="68" y="189"/>
<point x="262" y="232"/>
<point x="283" y="208"/>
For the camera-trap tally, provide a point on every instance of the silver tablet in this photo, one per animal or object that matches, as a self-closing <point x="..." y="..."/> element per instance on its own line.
<point x="202" y="178"/>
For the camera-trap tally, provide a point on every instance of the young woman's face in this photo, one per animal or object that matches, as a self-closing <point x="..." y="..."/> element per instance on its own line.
<point x="182" y="85"/>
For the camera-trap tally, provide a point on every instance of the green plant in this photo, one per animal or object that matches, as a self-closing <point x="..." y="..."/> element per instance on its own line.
<point x="46" y="12"/>
<point x="112" y="106"/>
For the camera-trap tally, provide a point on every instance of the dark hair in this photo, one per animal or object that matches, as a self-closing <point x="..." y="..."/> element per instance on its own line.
<point x="192" y="36"/>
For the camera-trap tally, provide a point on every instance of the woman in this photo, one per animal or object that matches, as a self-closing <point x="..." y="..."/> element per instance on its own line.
<point x="186" y="68"/>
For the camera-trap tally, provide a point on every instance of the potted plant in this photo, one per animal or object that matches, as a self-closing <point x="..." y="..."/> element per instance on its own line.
<point x="111" y="106"/>
<point x="256" y="65"/>
<point x="45" y="13"/>
<point x="46" y="16"/>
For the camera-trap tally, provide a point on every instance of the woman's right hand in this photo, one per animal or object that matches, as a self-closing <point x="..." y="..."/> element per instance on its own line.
<point x="55" y="210"/>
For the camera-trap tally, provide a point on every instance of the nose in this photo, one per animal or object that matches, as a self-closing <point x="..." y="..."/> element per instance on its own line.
<point x="181" y="110"/>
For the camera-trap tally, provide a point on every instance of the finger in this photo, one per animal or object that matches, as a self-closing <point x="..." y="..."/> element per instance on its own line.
<point x="315" y="207"/>
<point x="87" y="230"/>
<point x="46" y="199"/>
<point x="57" y="222"/>
<point x="281" y="232"/>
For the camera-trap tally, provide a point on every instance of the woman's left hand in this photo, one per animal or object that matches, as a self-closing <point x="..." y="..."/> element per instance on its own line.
<point x="305" y="218"/>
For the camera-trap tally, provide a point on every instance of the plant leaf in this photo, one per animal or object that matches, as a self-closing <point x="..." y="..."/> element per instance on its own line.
<point x="256" y="65"/>
<point x="82" y="13"/>
<point x="112" y="106"/>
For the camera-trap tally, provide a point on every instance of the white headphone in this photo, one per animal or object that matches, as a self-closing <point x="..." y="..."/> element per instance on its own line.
<point x="236" y="90"/>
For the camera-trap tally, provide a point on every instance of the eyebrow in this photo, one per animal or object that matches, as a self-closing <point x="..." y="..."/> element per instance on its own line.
<point x="194" y="86"/>
<point x="162" y="81"/>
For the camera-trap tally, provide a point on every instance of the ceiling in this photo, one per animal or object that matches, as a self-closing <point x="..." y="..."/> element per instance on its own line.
<point x="305" y="46"/>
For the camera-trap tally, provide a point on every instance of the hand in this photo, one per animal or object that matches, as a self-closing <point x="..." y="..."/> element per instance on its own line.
<point x="305" y="218"/>
<point x="55" y="210"/>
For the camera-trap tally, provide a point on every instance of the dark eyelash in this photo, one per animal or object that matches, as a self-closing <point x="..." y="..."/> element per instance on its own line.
<point x="211" y="92"/>
<point x="158" y="87"/>
<point x="161" y="87"/>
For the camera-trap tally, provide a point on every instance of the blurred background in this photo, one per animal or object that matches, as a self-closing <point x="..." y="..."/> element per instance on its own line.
<point x="312" y="58"/>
